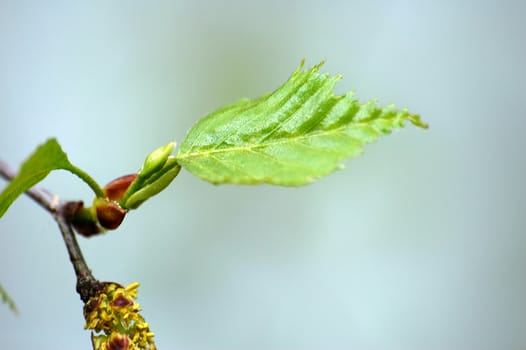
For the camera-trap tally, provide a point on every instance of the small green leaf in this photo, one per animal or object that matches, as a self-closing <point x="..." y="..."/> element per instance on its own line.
<point x="157" y="182"/>
<point x="291" y="137"/>
<point x="47" y="157"/>
<point x="6" y="299"/>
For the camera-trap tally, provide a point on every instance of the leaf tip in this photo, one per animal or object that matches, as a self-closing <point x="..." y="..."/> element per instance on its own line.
<point x="317" y="67"/>
<point x="417" y="121"/>
<point x="312" y="70"/>
<point x="300" y="67"/>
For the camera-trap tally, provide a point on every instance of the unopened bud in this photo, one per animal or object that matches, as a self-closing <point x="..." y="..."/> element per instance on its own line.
<point x="115" y="189"/>
<point x="85" y="221"/>
<point x="109" y="214"/>
<point x="119" y="342"/>
<point x="155" y="184"/>
<point x="156" y="160"/>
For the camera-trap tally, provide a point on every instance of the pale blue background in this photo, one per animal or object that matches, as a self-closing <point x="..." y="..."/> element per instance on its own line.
<point x="417" y="245"/>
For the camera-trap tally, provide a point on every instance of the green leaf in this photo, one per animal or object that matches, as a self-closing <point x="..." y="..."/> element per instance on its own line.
<point x="47" y="157"/>
<point x="291" y="137"/>
<point x="6" y="299"/>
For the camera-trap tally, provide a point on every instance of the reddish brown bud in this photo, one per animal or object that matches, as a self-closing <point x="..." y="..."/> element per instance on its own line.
<point x="84" y="221"/>
<point x="118" y="342"/>
<point x="115" y="189"/>
<point x="91" y="305"/>
<point x="87" y="229"/>
<point x="121" y="301"/>
<point x="110" y="214"/>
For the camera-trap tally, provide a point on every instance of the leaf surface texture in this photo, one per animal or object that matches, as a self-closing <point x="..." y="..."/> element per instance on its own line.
<point x="293" y="136"/>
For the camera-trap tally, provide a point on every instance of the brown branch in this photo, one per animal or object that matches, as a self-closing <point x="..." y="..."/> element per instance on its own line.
<point x="62" y="212"/>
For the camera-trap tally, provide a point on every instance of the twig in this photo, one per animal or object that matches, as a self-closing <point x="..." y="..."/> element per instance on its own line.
<point x="62" y="212"/>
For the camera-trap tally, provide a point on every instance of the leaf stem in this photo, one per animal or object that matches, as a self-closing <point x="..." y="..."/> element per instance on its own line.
<point x="88" y="180"/>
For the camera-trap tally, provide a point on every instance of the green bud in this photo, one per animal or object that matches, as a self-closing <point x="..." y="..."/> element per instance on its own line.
<point x="156" y="160"/>
<point x="154" y="185"/>
<point x="169" y="165"/>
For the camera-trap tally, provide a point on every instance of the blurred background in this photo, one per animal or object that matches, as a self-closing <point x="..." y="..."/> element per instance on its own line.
<point x="419" y="244"/>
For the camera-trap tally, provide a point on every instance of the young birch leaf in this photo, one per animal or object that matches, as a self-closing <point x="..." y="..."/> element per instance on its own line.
<point x="47" y="157"/>
<point x="291" y="137"/>
<point x="6" y="299"/>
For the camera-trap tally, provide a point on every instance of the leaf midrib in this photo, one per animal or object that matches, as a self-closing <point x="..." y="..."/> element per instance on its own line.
<point x="249" y="148"/>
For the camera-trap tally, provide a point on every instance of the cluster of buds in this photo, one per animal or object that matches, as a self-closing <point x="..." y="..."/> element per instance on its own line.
<point x="127" y="192"/>
<point x="113" y="316"/>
